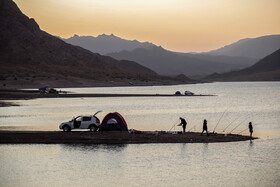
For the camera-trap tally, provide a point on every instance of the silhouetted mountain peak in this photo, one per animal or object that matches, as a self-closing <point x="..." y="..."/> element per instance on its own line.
<point x="106" y="36"/>
<point x="158" y="48"/>
<point x="104" y="43"/>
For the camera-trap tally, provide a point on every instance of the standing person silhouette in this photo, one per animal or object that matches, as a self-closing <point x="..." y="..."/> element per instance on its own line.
<point x="183" y="123"/>
<point x="204" y="127"/>
<point x="250" y="129"/>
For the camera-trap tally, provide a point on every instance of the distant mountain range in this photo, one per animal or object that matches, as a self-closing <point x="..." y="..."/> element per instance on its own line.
<point x="103" y="44"/>
<point x="165" y="62"/>
<point x="25" y="50"/>
<point x="236" y="56"/>
<point x="256" y="48"/>
<point x="267" y="69"/>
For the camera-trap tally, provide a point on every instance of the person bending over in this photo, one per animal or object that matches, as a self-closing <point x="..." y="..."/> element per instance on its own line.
<point x="183" y="124"/>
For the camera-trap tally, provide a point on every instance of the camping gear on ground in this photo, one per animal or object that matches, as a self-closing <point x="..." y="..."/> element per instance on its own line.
<point x="48" y="90"/>
<point x="113" y="122"/>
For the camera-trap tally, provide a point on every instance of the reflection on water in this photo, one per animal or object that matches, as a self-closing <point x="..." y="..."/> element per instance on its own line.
<point x="251" y="143"/>
<point x="93" y="147"/>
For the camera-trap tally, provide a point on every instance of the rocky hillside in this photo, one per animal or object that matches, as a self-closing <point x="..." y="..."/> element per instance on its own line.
<point x="25" y="49"/>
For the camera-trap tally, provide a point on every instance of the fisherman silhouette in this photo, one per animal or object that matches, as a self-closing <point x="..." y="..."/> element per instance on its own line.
<point x="204" y="128"/>
<point x="183" y="124"/>
<point x="250" y="129"/>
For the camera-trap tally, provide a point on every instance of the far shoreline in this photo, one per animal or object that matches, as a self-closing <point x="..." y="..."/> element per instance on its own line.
<point x="14" y="94"/>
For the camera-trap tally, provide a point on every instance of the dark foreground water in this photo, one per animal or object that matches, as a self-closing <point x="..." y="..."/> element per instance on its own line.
<point x="215" y="164"/>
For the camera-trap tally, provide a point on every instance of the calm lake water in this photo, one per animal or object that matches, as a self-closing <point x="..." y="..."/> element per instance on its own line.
<point x="215" y="164"/>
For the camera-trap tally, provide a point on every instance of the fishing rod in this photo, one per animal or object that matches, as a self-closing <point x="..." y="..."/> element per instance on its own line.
<point x="219" y="121"/>
<point x="247" y="128"/>
<point x="192" y="128"/>
<point x="234" y="121"/>
<point x="231" y="123"/>
<point x="238" y="125"/>
<point x="173" y="125"/>
<point x="243" y="130"/>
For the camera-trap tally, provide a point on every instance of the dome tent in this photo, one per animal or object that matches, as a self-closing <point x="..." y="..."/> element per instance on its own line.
<point x="113" y="122"/>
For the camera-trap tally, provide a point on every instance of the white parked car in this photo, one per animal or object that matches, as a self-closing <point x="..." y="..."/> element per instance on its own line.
<point x="90" y="122"/>
<point x="188" y="93"/>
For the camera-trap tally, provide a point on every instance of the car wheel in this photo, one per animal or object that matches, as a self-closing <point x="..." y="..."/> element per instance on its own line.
<point x="92" y="128"/>
<point x="66" y="128"/>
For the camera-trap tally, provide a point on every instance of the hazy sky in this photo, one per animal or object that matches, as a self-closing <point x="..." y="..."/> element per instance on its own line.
<point x="178" y="25"/>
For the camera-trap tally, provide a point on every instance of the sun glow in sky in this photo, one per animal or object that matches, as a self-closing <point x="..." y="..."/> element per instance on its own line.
<point x="178" y="25"/>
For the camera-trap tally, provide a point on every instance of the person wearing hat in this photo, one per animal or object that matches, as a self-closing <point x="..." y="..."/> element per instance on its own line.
<point x="250" y="129"/>
<point x="183" y="124"/>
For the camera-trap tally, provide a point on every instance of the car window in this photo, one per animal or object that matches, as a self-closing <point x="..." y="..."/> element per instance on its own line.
<point x="86" y="118"/>
<point x="78" y="119"/>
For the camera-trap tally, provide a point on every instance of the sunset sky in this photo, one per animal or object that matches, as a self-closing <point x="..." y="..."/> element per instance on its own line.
<point x="178" y="25"/>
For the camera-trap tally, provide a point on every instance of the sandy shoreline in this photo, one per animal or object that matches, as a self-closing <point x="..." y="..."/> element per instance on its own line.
<point x="85" y="137"/>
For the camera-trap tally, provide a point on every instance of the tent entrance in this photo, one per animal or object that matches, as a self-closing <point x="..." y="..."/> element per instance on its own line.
<point x="113" y="122"/>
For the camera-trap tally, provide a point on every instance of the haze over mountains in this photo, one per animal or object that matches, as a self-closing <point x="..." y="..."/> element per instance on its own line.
<point x="267" y="69"/>
<point x="251" y="47"/>
<point x="26" y="50"/>
<point x="239" y="55"/>
<point x="165" y="62"/>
